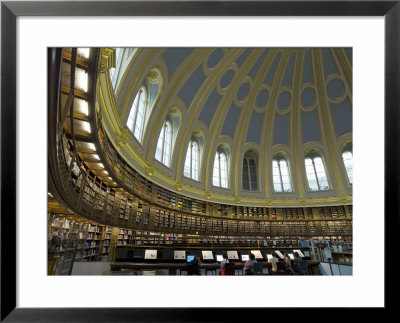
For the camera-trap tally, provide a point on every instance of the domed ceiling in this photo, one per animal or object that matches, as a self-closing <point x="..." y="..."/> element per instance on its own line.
<point x="253" y="105"/>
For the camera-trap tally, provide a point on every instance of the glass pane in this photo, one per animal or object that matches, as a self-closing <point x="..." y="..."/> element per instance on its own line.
<point x="313" y="185"/>
<point x="246" y="186"/>
<point x="132" y="113"/>
<point x="348" y="163"/>
<point x="320" y="169"/>
<point x="312" y="180"/>
<point x="129" y="123"/>
<point x="224" y="170"/>
<point x="245" y="176"/>
<point x="195" y="160"/>
<point x="254" y="186"/>
<point x="277" y="187"/>
<point x="216" y="171"/>
<point x="276" y="177"/>
<point x="186" y="170"/>
<point x="160" y="145"/>
<point x="253" y="175"/>
<point x="167" y="144"/>
<point x="287" y="185"/>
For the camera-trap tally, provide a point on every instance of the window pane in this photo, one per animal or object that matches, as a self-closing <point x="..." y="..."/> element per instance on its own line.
<point x="216" y="171"/>
<point x="276" y="176"/>
<point x="132" y="113"/>
<point x="167" y="144"/>
<point x="160" y="145"/>
<point x="253" y="175"/>
<point x="287" y="185"/>
<point x="224" y="171"/>
<point x="245" y="175"/>
<point x="283" y="167"/>
<point x="312" y="180"/>
<point x="313" y="184"/>
<point x="186" y="170"/>
<point x="277" y="187"/>
<point x="320" y="169"/>
<point x="195" y="160"/>
<point x="141" y="105"/>
<point x="348" y="163"/>
<point x="129" y="122"/>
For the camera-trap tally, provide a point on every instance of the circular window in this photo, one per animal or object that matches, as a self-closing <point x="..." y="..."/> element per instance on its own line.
<point x="284" y="100"/>
<point x="243" y="91"/>
<point x="307" y="98"/>
<point x="227" y="78"/>
<point x="215" y="57"/>
<point x="262" y="98"/>
<point x="335" y="89"/>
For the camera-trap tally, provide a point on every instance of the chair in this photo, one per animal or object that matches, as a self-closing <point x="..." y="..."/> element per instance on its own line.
<point x="230" y="269"/>
<point x="281" y="267"/>
<point x="212" y="270"/>
<point x="296" y="268"/>
<point x="304" y="266"/>
<point x="184" y="271"/>
<point x="193" y="270"/>
<point x="258" y="268"/>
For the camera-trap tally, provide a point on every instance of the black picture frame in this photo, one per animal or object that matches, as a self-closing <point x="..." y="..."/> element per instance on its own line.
<point x="10" y="10"/>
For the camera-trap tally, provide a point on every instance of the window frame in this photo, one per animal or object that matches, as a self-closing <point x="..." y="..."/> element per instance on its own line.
<point x="348" y="150"/>
<point x="248" y="158"/>
<point x="278" y="160"/>
<point x="163" y="141"/>
<point x="226" y="171"/>
<point x="312" y="157"/>
<point x="191" y="160"/>
<point x="135" y="108"/>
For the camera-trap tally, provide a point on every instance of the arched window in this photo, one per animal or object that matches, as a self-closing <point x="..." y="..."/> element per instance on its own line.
<point x="136" y="117"/>
<point x="220" y="173"/>
<point x="164" y="144"/>
<point x="281" y="175"/>
<point x="123" y="57"/>
<point x="249" y="175"/>
<point x="316" y="174"/>
<point x="347" y="156"/>
<point x="192" y="162"/>
<point x="113" y="70"/>
<point x="143" y="104"/>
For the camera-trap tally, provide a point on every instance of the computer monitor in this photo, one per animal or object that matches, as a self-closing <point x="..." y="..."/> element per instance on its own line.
<point x="245" y="257"/>
<point x="257" y="254"/>
<point x="189" y="258"/>
<point x="166" y="254"/>
<point x="233" y="255"/>
<point x="150" y="254"/>
<point x="137" y="254"/>
<point x="299" y="253"/>
<point x="179" y="254"/>
<point x="219" y="258"/>
<point x="122" y="253"/>
<point x="279" y="254"/>
<point x="207" y="255"/>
